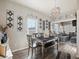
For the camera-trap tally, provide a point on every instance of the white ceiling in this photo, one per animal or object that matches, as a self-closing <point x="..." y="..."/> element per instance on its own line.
<point x="46" y="6"/>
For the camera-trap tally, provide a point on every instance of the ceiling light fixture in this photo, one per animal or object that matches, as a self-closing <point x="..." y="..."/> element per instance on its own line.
<point x="55" y="11"/>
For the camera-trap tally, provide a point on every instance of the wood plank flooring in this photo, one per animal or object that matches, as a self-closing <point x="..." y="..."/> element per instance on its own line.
<point x="66" y="51"/>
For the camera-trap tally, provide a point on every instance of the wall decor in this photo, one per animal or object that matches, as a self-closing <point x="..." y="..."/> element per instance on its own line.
<point x="43" y="25"/>
<point x="40" y="23"/>
<point x="47" y="24"/>
<point x="9" y="18"/>
<point x="20" y="23"/>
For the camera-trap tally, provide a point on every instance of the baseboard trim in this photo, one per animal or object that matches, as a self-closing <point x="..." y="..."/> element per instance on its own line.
<point x="19" y="49"/>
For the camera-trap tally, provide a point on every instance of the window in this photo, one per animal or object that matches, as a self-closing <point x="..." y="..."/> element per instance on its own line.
<point x="56" y="28"/>
<point x="31" y="25"/>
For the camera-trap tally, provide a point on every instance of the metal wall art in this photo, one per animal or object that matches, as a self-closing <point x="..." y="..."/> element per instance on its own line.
<point x="43" y="25"/>
<point x="9" y="18"/>
<point x="47" y="24"/>
<point x="20" y="23"/>
<point x="40" y="24"/>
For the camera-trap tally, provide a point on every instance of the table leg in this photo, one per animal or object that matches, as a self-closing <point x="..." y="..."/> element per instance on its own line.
<point x="57" y="42"/>
<point x="32" y="51"/>
<point x="28" y="51"/>
<point x="57" y="45"/>
<point x="42" y="51"/>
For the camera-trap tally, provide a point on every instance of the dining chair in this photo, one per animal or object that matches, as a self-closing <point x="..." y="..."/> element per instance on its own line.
<point x="38" y="35"/>
<point x="32" y="44"/>
<point x="28" y="40"/>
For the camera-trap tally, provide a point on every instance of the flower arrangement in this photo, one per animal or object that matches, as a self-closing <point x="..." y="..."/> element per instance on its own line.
<point x="3" y="34"/>
<point x="3" y="29"/>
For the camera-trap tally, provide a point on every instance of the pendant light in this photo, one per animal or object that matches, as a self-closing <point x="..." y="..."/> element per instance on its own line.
<point x="56" y="10"/>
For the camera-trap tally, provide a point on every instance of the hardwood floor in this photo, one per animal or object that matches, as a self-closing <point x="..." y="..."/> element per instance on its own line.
<point x="66" y="51"/>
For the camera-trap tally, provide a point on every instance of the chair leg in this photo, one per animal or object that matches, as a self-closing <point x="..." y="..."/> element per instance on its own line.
<point x="28" y="51"/>
<point x="42" y="51"/>
<point x="32" y="50"/>
<point x="35" y="53"/>
<point x="32" y="54"/>
<point x="36" y="50"/>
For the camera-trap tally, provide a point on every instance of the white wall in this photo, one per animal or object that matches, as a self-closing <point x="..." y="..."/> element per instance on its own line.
<point x="78" y="33"/>
<point x="77" y="4"/>
<point x="67" y="5"/>
<point x="17" y="39"/>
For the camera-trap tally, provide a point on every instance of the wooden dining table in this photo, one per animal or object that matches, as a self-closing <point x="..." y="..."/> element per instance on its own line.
<point x="43" y="41"/>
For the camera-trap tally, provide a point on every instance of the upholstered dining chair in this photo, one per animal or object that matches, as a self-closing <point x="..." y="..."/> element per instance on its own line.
<point x="32" y="45"/>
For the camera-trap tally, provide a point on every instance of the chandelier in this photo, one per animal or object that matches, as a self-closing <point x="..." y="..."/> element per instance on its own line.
<point x="55" y="11"/>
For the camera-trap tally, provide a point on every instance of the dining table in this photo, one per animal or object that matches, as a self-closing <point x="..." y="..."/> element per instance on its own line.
<point x="43" y="41"/>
